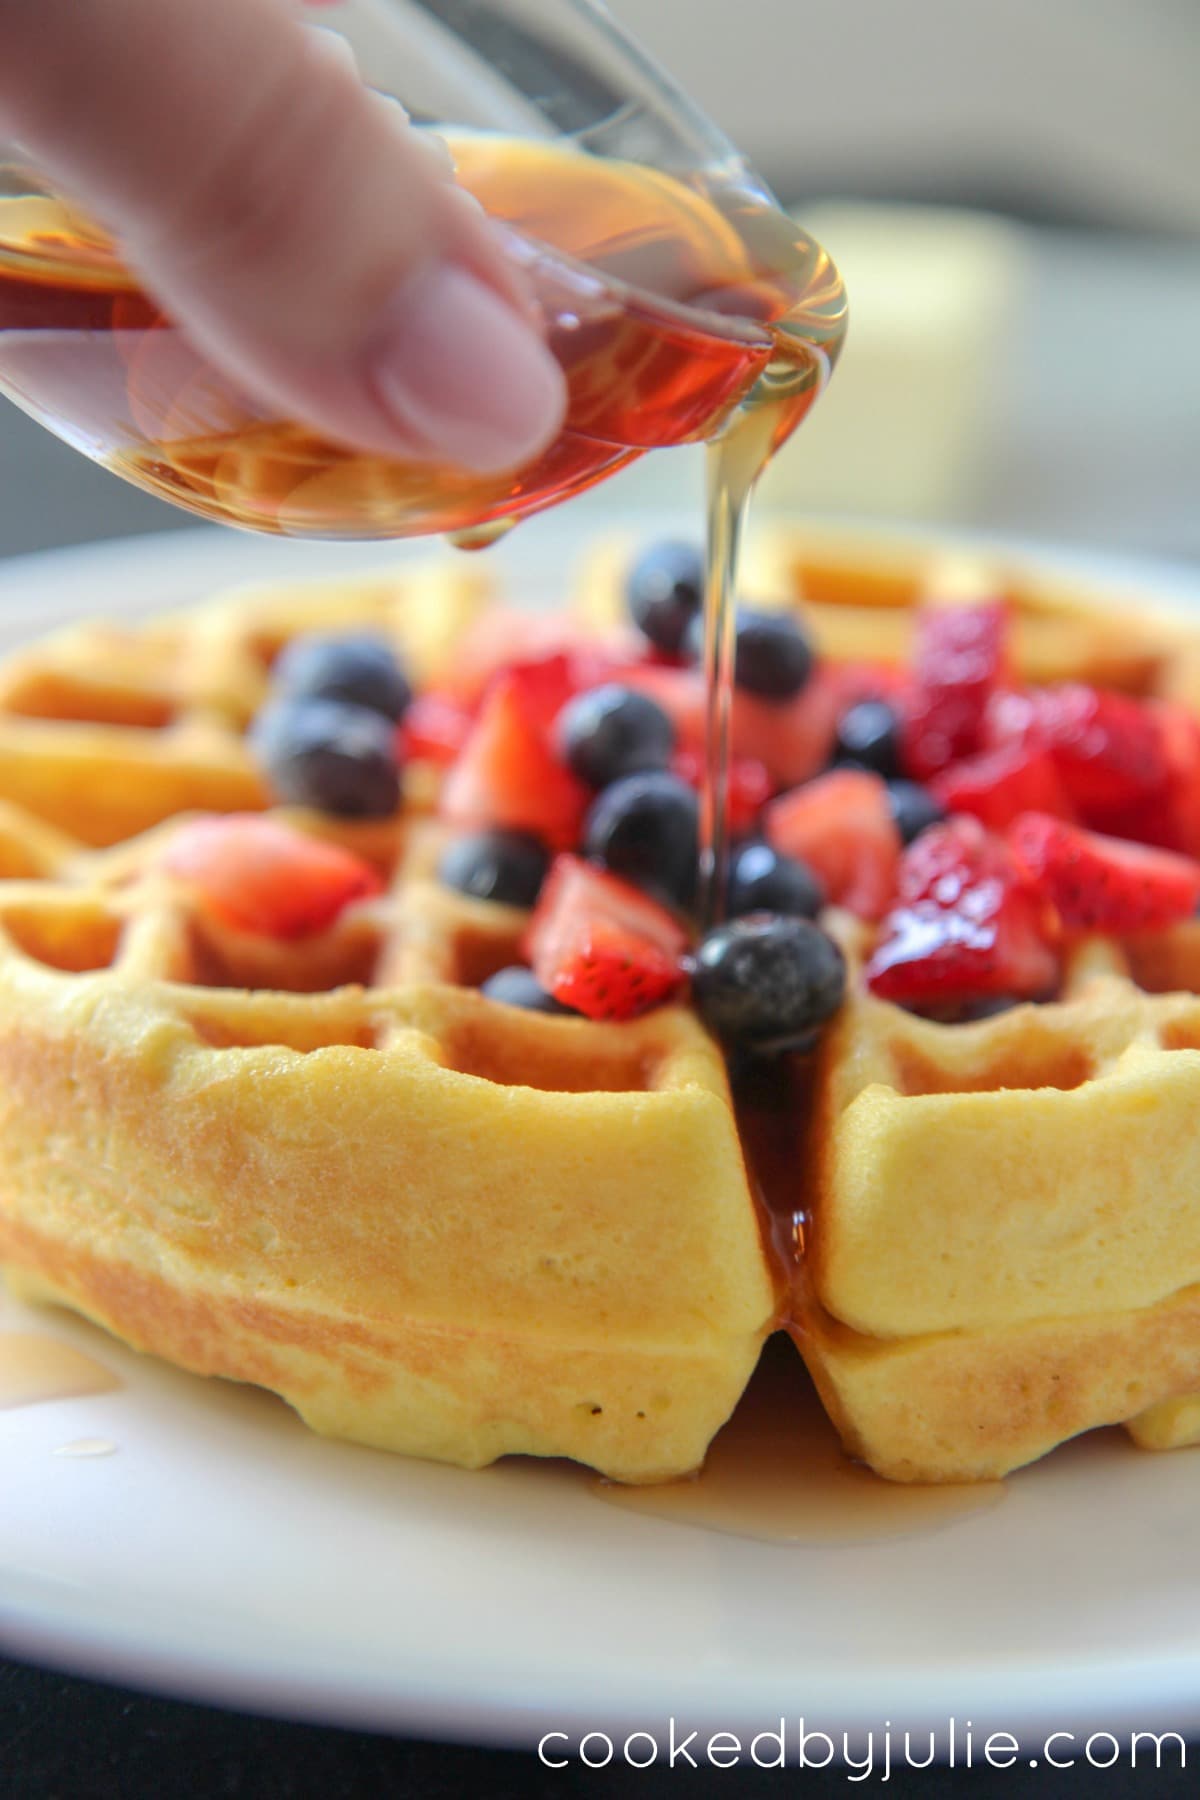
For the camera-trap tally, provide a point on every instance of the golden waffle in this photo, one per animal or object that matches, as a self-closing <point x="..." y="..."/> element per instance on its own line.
<point x="432" y="1223"/>
<point x="448" y="1227"/>
<point x="106" y="729"/>
<point x="1002" y="1219"/>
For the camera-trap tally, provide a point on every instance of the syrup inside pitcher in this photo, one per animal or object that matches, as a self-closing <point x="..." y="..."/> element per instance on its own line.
<point x="670" y="303"/>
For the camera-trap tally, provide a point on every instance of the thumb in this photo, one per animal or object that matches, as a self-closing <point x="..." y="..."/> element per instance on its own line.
<point x="294" y="225"/>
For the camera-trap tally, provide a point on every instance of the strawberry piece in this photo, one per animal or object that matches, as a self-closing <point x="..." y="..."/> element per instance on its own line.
<point x="600" y="945"/>
<point x="434" y="729"/>
<point x="507" y="773"/>
<point x="967" y="925"/>
<point x="1108" y="747"/>
<point x="1175" y="823"/>
<point x="1099" y="883"/>
<point x="262" y="876"/>
<point x="995" y="785"/>
<point x="853" y="682"/>
<point x="546" y="684"/>
<point x="503" y="638"/>
<point x="841" y="825"/>
<point x="792" y="739"/>
<point x="958" y="663"/>
<point x="749" y="786"/>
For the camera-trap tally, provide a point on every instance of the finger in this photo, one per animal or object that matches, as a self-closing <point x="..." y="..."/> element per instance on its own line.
<point x="297" y="229"/>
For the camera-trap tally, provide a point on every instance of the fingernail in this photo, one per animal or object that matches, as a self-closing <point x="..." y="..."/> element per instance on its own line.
<point x="463" y="375"/>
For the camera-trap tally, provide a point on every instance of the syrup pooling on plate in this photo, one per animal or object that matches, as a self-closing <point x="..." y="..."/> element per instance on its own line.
<point x="35" y="1367"/>
<point x="665" y="301"/>
<point x="777" y="1473"/>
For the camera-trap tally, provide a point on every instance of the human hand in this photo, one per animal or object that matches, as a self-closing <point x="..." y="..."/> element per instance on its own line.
<point x="293" y="224"/>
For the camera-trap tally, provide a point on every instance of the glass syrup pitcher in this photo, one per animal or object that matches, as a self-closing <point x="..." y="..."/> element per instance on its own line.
<point x="676" y="295"/>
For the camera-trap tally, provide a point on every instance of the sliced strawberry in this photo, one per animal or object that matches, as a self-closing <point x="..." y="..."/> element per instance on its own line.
<point x="546" y="684"/>
<point x="434" y="729"/>
<point x="967" y="925"/>
<point x="749" y="786"/>
<point x="855" y="681"/>
<point x="1108" y="747"/>
<point x="503" y="638"/>
<point x="958" y="663"/>
<point x="995" y="785"/>
<point x="1175" y="825"/>
<point x="792" y="739"/>
<point x="507" y="773"/>
<point x="601" y="946"/>
<point x="841" y="825"/>
<point x="1100" y="883"/>
<point x="263" y="876"/>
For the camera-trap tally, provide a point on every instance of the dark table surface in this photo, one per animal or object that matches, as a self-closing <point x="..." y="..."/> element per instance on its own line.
<point x="65" y="1739"/>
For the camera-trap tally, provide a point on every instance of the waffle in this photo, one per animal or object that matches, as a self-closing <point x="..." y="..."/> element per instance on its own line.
<point x="432" y="1223"/>
<point x="107" y="729"/>
<point x="1000" y="1228"/>
<point x="448" y="1227"/>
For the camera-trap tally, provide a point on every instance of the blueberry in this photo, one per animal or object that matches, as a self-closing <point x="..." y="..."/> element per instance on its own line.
<point x="517" y="986"/>
<point x="506" y="866"/>
<point x="327" y="754"/>
<point x="646" y="829"/>
<point x="611" y="731"/>
<point x="361" y="670"/>
<point x="773" y="657"/>
<point x="766" y="984"/>
<point x="868" y="735"/>
<point x="913" y="808"/>
<point x="666" y="592"/>
<point x="761" y="880"/>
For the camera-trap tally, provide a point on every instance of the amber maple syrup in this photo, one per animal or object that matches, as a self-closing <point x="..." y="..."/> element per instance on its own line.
<point x="777" y="1473"/>
<point x="35" y="1368"/>
<point x="665" y="302"/>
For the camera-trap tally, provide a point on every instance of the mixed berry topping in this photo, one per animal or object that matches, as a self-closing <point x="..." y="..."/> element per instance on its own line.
<point x="328" y="738"/>
<point x="361" y="670"/>
<point x="601" y="946"/>
<point x="868" y="735"/>
<point x="763" y="879"/>
<point x="976" y="825"/>
<point x="611" y="731"/>
<point x="772" y="654"/>
<point x="262" y="876"/>
<point x="331" y="755"/>
<point x="767" y="983"/>
<point x="504" y="866"/>
<point x="518" y="986"/>
<point x="647" y="829"/>
<point x="967" y="922"/>
<point x="914" y="809"/>
<point x="666" y="594"/>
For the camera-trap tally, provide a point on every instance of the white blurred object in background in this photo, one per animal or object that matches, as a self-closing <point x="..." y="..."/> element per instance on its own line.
<point x="906" y="425"/>
<point x="1065" y="110"/>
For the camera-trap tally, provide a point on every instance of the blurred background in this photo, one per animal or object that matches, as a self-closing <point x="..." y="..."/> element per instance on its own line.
<point x="1013" y="194"/>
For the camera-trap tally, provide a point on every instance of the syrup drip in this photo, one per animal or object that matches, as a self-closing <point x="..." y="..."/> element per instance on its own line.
<point x="480" y="537"/>
<point x="776" y="1473"/>
<point x="735" y="461"/>
<point x="35" y="1368"/>
<point x="87" y="1447"/>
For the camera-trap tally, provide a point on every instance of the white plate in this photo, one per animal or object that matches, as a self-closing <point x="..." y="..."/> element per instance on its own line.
<point x="223" y="1552"/>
